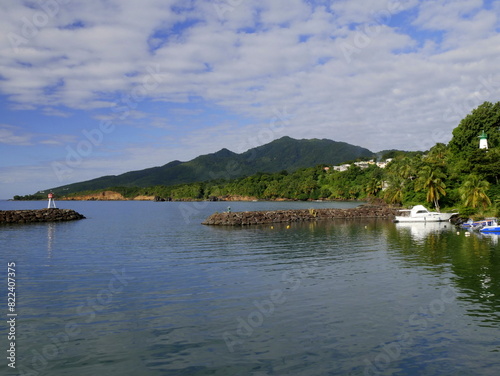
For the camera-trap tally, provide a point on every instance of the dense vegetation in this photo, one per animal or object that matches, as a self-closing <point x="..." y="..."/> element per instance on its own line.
<point x="283" y="154"/>
<point x="30" y="197"/>
<point x="458" y="175"/>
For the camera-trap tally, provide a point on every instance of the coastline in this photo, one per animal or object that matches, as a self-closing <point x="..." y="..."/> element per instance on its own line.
<point x="115" y="196"/>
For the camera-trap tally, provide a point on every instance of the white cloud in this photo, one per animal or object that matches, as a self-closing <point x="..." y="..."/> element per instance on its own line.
<point x="57" y="140"/>
<point x="18" y="136"/>
<point x="11" y="135"/>
<point x="375" y="11"/>
<point x="464" y="22"/>
<point x="49" y="111"/>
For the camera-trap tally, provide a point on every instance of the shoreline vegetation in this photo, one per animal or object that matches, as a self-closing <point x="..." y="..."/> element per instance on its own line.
<point x="458" y="176"/>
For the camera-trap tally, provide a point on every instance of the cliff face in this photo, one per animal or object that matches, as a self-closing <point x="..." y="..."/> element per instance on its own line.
<point x="237" y="198"/>
<point x="41" y="215"/>
<point x="144" y="198"/>
<point x="106" y="196"/>
<point x="102" y="196"/>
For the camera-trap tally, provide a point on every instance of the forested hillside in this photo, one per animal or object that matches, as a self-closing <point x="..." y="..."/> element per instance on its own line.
<point x="285" y="153"/>
<point x="459" y="175"/>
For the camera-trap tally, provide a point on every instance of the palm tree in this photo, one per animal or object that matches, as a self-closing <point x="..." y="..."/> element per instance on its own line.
<point x="437" y="154"/>
<point x="473" y="192"/>
<point x="373" y="187"/>
<point x="394" y="193"/>
<point x="405" y="169"/>
<point x="431" y="180"/>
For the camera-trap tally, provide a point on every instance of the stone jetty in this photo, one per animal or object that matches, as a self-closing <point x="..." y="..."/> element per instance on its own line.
<point x="40" y="215"/>
<point x="301" y="215"/>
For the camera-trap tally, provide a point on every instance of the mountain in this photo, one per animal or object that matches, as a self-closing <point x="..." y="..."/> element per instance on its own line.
<point x="285" y="153"/>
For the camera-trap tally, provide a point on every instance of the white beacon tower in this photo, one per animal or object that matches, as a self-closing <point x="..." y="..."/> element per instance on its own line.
<point x="51" y="201"/>
<point x="483" y="141"/>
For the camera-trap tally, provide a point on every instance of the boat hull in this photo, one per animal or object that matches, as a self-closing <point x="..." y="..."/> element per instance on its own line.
<point x="441" y="217"/>
<point x="490" y="229"/>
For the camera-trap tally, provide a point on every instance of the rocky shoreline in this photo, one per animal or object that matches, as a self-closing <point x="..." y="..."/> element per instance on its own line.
<point x="299" y="215"/>
<point x="39" y="215"/>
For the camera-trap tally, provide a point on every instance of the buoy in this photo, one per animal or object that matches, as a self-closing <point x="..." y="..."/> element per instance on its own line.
<point x="288" y="226"/>
<point x="458" y="232"/>
<point x="272" y="227"/>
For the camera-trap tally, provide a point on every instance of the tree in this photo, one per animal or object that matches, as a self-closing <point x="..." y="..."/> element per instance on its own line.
<point x="373" y="187"/>
<point x="465" y="136"/>
<point x="395" y="192"/>
<point x="437" y="155"/>
<point x="486" y="163"/>
<point x="473" y="192"/>
<point x="431" y="181"/>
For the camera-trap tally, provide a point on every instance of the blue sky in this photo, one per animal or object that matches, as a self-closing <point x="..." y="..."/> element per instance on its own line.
<point x="92" y="88"/>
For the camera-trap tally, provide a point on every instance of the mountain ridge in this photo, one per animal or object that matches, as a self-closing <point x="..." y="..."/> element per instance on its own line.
<point x="285" y="153"/>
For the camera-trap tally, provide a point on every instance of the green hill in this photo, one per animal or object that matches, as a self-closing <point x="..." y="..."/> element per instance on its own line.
<point x="285" y="153"/>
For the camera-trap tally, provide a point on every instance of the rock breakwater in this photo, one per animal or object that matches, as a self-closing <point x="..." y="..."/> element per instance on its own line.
<point x="300" y="215"/>
<point x="40" y="215"/>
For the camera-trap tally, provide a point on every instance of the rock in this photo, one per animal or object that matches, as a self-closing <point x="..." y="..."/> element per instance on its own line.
<point x="40" y="215"/>
<point x="286" y="216"/>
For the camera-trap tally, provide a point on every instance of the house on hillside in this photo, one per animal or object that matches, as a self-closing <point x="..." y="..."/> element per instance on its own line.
<point x="341" y="168"/>
<point x="363" y="165"/>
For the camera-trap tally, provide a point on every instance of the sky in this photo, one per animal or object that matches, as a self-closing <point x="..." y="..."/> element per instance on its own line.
<point x="101" y="87"/>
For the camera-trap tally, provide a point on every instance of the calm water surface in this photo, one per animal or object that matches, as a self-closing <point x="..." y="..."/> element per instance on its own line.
<point x="141" y="288"/>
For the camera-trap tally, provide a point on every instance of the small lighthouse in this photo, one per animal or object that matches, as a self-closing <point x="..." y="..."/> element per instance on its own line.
<point x="483" y="141"/>
<point x="51" y="201"/>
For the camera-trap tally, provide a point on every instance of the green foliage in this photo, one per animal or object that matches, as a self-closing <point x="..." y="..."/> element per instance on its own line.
<point x="431" y="181"/>
<point x="285" y="154"/>
<point x="30" y="197"/>
<point x="473" y="192"/>
<point x="455" y="175"/>
<point x="468" y="211"/>
<point x="465" y="141"/>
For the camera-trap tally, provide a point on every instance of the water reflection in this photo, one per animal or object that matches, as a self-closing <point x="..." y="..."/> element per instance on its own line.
<point x="51" y="229"/>
<point x="474" y="261"/>
<point x="421" y="230"/>
<point x="492" y="237"/>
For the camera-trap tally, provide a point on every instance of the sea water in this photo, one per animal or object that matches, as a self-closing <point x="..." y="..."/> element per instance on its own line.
<point x="142" y="288"/>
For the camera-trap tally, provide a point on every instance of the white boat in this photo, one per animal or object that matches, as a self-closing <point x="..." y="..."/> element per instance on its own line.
<point x="419" y="213"/>
<point x="493" y="227"/>
<point x="478" y="225"/>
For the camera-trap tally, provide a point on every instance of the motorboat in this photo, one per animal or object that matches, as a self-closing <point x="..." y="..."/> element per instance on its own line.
<point x="494" y="227"/>
<point x="477" y="225"/>
<point x="419" y="213"/>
